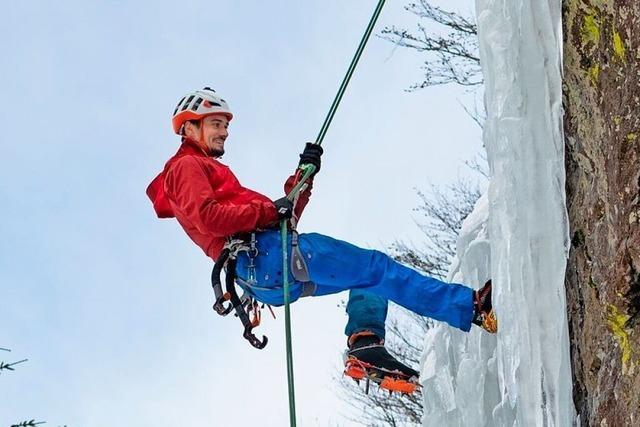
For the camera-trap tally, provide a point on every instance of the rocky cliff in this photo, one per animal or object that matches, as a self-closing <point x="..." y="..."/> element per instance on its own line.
<point x="602" y="130"/>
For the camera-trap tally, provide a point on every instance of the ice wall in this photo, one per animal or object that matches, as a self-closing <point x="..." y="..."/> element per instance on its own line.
<point x="517" y="235"/>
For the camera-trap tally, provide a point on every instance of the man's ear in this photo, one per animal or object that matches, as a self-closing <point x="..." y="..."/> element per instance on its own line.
<point x="191" y="129"/>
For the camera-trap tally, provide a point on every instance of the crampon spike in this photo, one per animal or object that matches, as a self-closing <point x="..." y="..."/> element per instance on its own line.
<point x="399" y="385"/>
<point x="355" y="371"/>
<point x="391" y="381"/>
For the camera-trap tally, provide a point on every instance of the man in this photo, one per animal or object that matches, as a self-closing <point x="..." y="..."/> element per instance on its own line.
<point x="212" y="206"/>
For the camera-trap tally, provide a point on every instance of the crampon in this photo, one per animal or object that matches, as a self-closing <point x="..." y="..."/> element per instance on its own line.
<point x="386" y="380"/>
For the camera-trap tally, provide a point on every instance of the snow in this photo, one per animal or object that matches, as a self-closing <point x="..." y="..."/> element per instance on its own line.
<point x="517" y="235"/>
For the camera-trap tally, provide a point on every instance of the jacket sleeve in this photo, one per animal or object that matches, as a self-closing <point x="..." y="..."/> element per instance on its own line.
<point x="187" y="185"/>
<point x="303" y="197"/>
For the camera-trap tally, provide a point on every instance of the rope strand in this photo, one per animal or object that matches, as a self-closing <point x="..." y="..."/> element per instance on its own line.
<point x="308" y="171"/>
<point x="347" y="77"/>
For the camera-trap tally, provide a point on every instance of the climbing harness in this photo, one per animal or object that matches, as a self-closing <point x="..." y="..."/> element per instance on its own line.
<point x="247" y="308"/>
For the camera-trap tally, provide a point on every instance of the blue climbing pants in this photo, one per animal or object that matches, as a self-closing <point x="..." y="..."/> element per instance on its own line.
<point x="372" y="276"/>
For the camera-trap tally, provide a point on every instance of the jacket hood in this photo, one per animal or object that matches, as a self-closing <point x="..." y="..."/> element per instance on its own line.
<point x="156" y="191"/>
<point x="158" y="197"/>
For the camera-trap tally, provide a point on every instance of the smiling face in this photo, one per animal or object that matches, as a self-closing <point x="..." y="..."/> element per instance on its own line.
<point x="211" y="133"/>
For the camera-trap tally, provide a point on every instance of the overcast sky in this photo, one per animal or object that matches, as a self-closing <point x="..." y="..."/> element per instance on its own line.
<point x="113" y="306"/>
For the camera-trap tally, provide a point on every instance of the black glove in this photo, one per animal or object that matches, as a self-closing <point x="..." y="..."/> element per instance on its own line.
<point x="284" y="207"/>
<point x="311" y="155"/>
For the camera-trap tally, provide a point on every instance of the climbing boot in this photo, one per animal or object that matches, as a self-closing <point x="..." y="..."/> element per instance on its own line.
<point x="483" y="314"/>
<point x="368" y="359"/>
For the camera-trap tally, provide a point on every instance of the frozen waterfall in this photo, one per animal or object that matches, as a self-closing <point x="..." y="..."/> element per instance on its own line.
<point x="517" y="235"/>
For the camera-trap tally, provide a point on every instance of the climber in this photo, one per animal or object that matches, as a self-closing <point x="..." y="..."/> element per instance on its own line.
<point x="211" y="205"/>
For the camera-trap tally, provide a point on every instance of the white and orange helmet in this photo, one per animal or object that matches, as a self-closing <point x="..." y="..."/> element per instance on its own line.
<point x="197" y="105"/>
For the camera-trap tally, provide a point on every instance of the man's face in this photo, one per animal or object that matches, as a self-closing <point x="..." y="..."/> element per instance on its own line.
<point x="214" y="133"/>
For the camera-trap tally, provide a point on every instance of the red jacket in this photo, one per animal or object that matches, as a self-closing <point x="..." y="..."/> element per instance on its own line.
<point x="208" y="201"/>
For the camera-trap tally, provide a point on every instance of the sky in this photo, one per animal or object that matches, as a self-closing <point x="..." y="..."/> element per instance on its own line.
<point x="112" y="306"/>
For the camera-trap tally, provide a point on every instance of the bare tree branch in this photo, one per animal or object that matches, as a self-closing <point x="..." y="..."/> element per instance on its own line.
<point x="479" y="164"/>
<point x="475" y="115"/>
<point x="449" y="41"/>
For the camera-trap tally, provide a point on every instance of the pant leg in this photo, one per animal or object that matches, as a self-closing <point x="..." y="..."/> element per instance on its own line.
<point x="335" y="265"/>
<point x="367" y="312"/>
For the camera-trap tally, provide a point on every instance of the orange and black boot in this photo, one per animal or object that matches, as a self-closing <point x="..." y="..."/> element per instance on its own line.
<point x="368" y="359"/>
<point x="483" y="314"/>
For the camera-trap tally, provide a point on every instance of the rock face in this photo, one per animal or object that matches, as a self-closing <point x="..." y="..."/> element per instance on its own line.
<point x="602" y="130"/>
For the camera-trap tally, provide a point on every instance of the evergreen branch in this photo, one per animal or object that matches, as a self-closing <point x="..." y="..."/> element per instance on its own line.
<point x="30" y="423"/>
<point x="9" y="366"/>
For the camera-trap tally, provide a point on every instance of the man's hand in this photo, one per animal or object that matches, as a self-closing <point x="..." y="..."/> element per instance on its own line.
<point x="284" y="207"/>
<point x="311" y="156"/>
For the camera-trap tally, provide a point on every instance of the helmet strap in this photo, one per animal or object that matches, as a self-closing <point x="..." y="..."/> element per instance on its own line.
<point x="202" y="141"/>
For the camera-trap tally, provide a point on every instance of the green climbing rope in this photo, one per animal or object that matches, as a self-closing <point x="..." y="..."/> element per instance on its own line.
<point x="347" y="77"/>
<point x="307" y="172"/>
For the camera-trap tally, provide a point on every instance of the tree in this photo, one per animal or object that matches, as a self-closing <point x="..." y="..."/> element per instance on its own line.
<point x="451" y="56"/>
